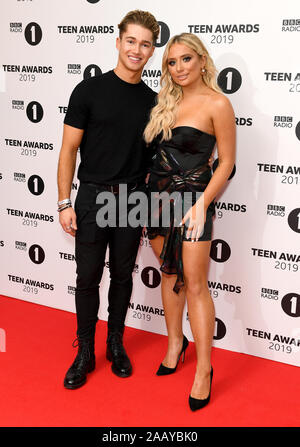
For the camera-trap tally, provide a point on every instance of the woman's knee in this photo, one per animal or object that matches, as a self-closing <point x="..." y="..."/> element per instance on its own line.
<point x="196" y="287"/>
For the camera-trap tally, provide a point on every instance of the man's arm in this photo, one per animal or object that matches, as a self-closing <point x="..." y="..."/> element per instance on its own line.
<point x="66" y="166"/>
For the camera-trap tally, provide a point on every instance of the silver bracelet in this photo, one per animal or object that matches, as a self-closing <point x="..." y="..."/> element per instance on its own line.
<point x="62" y="202"/>
<point x="64" y="207"/>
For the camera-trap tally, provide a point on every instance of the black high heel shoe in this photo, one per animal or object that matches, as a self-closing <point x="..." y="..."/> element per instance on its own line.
<point x="196" y="404"/>
<point x="165" y="370"/>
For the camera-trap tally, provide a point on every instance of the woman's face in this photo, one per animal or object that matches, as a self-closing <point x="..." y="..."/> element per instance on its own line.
<point x="184" y="64"/>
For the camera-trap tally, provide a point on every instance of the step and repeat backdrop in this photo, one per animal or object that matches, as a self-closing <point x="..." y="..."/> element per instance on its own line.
<point x="48" y="47"/>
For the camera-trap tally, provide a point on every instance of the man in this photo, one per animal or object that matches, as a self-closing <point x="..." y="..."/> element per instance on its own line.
<point x="106" y="117"/>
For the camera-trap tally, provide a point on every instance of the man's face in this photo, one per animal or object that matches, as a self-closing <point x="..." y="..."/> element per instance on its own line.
<point x="135" y="47"/>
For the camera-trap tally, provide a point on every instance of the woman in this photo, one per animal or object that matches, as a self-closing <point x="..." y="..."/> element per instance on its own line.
<point x="191" y="115"/>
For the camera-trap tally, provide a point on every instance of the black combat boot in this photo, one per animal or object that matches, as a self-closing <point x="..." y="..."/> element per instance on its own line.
<point x="116" y="354"/>
<point x="83" y="364"/>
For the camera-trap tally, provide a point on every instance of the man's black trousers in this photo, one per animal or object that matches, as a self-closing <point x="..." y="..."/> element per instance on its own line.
<point x="91" y="243"/>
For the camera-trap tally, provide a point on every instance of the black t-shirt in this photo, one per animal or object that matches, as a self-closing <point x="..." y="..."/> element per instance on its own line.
<point x="113" y="114"/>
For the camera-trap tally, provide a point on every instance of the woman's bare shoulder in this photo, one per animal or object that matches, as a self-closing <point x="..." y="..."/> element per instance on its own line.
<point x="219" y="103"/>
<point x="219" y="99"/>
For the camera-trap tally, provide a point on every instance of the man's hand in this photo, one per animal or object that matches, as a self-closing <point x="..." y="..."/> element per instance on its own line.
<point x="67" y="219"/>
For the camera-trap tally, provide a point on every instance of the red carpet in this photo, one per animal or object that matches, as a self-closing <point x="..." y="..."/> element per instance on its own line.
<point x="247" y="391"/>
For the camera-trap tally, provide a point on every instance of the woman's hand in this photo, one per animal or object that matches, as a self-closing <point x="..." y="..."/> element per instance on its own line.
<point x="195" y="217"/>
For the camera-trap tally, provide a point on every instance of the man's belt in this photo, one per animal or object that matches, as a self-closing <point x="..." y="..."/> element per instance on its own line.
<point x="115" y="189"/>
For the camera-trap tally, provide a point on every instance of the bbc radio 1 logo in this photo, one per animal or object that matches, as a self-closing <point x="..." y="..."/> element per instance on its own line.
<point x="35" y="183"/>
<point x="21" y="245"/>
<point x="286" y="122"/>
<point x="290" y="304"/>
<point x="34" y="110"/>
<point x="71" y="290"/>
<point x="294" y="220"/>
<point x="293" y="217"/>
<point x="229" y="80"/>
<point x="270" y="294"/>
<point x="90" y="71"/>
<point x="283" y="121"/>
<point x="16" y="27"/>
<point x="275" y="210"/>
<point x="220" y="250"/>
<point x="220" y="329"/>
<point x="19" y="177"/>
<point x="33" y="32"/>
<point x="17" y="104"/>
<point x="74" y="69"/>
<point x="151" y="277"/>
<point x="164" y="35"/>
<point x="297" y="131"/>
<point x="290" y="25"/>
<point x="36" y="254"/>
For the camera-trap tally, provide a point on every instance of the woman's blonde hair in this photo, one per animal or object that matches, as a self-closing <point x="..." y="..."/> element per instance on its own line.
<point x="162" y="117"/>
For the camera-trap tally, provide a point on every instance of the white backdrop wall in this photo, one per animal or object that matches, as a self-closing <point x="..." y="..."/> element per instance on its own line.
<point x="48" y="47"/>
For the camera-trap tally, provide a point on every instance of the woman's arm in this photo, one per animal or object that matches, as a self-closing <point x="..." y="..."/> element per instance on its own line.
<point x="224" y="125"/>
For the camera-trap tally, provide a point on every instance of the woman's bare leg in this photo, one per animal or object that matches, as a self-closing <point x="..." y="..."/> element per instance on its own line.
<point x="173" y="304"/>
<point x="201" y="311"/>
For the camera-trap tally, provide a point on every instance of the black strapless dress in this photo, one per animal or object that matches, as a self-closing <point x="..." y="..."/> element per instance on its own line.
<point x="180" y="164"/>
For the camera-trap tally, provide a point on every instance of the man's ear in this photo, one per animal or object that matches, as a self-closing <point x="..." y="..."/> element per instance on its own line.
<point x="118" y="43"/>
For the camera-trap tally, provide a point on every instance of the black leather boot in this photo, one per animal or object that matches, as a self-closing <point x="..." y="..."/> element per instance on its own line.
<point x="83" y="364"/>
<point x="116" y="354"/>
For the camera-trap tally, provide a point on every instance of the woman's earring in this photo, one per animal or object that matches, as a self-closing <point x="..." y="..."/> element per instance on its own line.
<point x="203" y="70"/>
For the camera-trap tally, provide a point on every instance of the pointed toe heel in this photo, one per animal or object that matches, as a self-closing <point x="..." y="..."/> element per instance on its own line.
<point x="197" y="404"/>
<point x="165" y="370"/>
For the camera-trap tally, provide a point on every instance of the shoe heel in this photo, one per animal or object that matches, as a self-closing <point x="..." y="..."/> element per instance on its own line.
<point x="184" y="347"/>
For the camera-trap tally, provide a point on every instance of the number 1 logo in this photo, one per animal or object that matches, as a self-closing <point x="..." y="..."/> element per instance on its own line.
<point x="220" y="251"/>
<point x="164" y="35"/>
<point x="33" y="33"/>
<point x="151" y="277"/>
<point x="34" y="112"/>
<point x="36" y="254"/>
<point x="92" y="71"/>
<point x="36" y="185"/>
<point x="291" y="304"/>
<point x="229" y="80"/>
